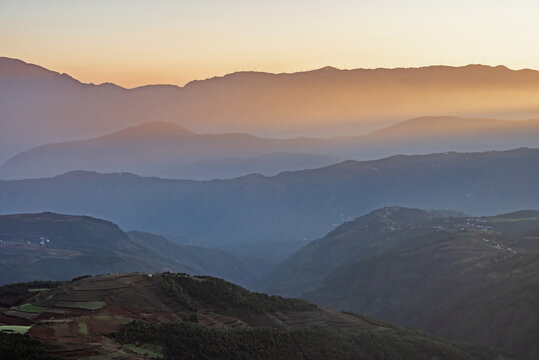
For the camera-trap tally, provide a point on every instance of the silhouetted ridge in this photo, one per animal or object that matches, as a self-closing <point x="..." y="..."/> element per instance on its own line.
<point x="151" y="129"/>
<point x="311" y="103"/>
<point x="10" y="67"/>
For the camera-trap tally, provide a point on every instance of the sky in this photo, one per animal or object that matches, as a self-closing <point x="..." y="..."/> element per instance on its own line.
<point x="133" y="42"/>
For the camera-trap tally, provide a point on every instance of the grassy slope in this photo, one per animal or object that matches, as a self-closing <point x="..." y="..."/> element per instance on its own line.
<point x="361" y="238"/>
<point x="453" y="284"/>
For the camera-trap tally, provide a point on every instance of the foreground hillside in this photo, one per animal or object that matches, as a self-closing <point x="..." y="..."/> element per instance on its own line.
<point x="467" y="278"/>
<point x="292" y="206"/>
<point x="49" y="246"/>
<point x="135" y="316"/>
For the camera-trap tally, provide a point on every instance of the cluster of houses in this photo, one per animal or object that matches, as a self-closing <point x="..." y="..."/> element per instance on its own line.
<point x="499" y="247"/>
<point x="43" y="240"/>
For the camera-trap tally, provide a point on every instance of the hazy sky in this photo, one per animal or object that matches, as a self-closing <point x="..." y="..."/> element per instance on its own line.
<point x="132" y="42"/>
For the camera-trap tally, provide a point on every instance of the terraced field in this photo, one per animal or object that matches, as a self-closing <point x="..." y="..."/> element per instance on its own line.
<point x="87" y="318"/>
<point x="14" y="329"/>
<point x="77" y="319"/>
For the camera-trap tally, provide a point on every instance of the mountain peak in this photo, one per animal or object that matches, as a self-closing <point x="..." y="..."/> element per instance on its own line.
<point x="152" y="129"/>
<point x="328" y="68"/>
<point x="399" y="214"/>
<point x="10" y="67"/>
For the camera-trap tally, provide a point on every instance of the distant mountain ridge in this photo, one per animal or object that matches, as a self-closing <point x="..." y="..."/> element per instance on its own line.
<point x="448" y="126"/>
<point x="148" y="130"/>
<point x="168" y="150"/>
<point x="39" y="106"/>
<point x="291" y="207"/>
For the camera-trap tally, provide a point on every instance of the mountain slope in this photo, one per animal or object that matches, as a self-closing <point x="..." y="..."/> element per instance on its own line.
<point x="153" y="130"/>
<point x="41" y="107"/>
<point x="169" y="150"/>
<point x="178" y="316"/>
<point x="292" y="206"/>
<point x="58" y="247"/>
<point x="361" y="238"/>
<point x="450" y="127"/>
<point x="471" y="278"/>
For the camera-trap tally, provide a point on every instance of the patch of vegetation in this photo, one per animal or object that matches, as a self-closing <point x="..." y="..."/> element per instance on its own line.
<point x="15" y="294"/>
<point x="30" y="308"/>
<point x="85" y="305"/>
<point x="81" y="277"/>
<point x="372" y="321"/>
<point x="185" y="340"/>
<point x="21" y="347"/>
<point x="117" y="355"/>
<point x="191" y="291"/>
<point x="83" y="328"/>
<point x="147" y="350"/>
<point x="37" y="290"/>
<point x="175" y="291"/>
<point x="18" y="329"/>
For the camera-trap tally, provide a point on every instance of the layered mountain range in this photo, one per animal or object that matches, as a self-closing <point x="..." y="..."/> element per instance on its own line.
<point x="39" y="106"/>
<point x="292" y="207"/>
<point x="248" y="177"/>
<point x="171" y="151"/>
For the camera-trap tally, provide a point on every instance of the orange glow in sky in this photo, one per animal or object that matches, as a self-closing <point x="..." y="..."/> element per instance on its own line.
<point x="132" y="42"/>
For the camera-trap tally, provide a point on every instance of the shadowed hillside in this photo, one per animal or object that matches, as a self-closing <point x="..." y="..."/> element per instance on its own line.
<point x="364" y="237"/>
<point x="467" y="278"/>
<point x="50" y="246"/>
